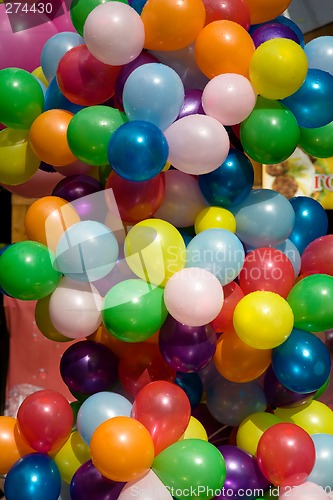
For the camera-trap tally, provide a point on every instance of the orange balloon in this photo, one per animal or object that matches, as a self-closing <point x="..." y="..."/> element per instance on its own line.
<point x="171" y="24"/>
<point x="122" y="449"/>
<point x="224" y="47"/>
<point x="48" y="218"/>
<point x="118" y="347"/>
<point x="263" y="10"/>
<point x="48" y="137"/>
<point x="239" y="362"/>
<point x="12" y="445"/>
<point x="44" y="323"/>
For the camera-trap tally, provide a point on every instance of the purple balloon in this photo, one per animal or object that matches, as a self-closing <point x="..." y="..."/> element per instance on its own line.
<point x="243" y="474"/>
<point x="186" y="348"/>
<point x="76" y="186"/>
<point x="278" y="396"/>
<point x="273" y="30"/>
<point x="88" y="367"/>
<point x="89" y="484"/>
<point x="192" y="103"/>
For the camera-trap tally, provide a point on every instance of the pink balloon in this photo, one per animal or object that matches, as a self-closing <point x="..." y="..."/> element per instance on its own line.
<point x="64" y="22"/>
<point x="39" y="185"/>
<point x="305" y="491"/>
<point x="229" y="98"/>
<point x="78" y="167"/>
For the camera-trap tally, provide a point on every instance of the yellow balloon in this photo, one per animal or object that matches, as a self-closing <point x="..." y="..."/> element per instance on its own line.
<point x="278" y="68"/>
<point x="44" y="323"/>
<point x="18" y="163"/>
<point x="314" y="417"/>
<point x="38" y="73"/>
<point x="263" y="319"/>
<point x="155" y="250"/>
<point x="252" y="428"/>
<point x="166" y="166"/>
<point x="211" y="217"/>
<point x="195" y="430"/>
<point x="71" y="456"/>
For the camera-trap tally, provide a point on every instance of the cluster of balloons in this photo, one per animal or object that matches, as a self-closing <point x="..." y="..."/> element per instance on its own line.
<point x="188" y="292"/>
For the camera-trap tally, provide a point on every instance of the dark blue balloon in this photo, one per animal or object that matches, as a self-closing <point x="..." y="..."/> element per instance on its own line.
<point x="302" y="363"/>
<point x="311" y="221"/>
<point x="312" y="103"/>
<point x="192" y="385"/>
<point x="54" y="99"/>
<point x="230" y="183"/>
<point x="288" y="22"/>
<point x="138" y="5"/>
<point x="33" y="477"/>
<point x="278" y="396"/>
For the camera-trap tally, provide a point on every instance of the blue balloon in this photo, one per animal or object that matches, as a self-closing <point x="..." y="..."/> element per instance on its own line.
<point x="288" y="22"/>
<point x="290" y="250"/>
<point x="302" y="363"/>
<point x="138" y="5"/>
<point x="87" y="251"/>
<point x="97" y="409"/>
<point x="33" y="477"/>
<point x="218" y="251"/>
<point x="42" y="84"/>
<point x="192" y="385"/>
<point x="312" y="103"/>
<point x="55" y="99"/>
<point x="154" y="93"/>
<point x="138" y="151"/>
<point x="187" y="236"/>
<point x="311" y="221"/>
<point x="319" y="53"/>
<point x="229" y="184"/>
<point x="55" y="48"/>
<point x="321" y="473"/>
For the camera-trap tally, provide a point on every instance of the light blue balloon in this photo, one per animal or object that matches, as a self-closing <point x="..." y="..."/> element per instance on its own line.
<point x="322" y="471"/>
<point x="42" y="84"/>
<point x="218" y="251"/>
<point x="291" y="251"/>
<point x="153" y="93"/>
<point x="97" y="409"/>
<point x="55" y="48"/>
<point x="319" y="53"/>
<point x="87" y="251"/>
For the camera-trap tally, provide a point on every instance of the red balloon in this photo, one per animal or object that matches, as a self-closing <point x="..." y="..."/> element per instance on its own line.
<point x="286" y="454"/>
<point x="83" y="79"/>
<point x="267" y="269"/>
<point x="317" y="258"/>
<point x="232" y="295"/>
<point x="231" y="10"/>
<point x="136" y="201"/>
<point x="164" y="409"/>
<point x="141" y="364"/>
<point x="45" y="420"/>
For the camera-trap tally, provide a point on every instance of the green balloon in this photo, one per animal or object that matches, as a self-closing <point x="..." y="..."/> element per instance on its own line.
<point x="191" y="466"/>
<point x="21" y="98"/>
<point x="311" y="301"/>
<point x="80" y="10"/>
<point x="317" y="142"/>
<point x="134" y="310"/>
<point x="271" y="133"/>
<point x="90" y="131"/>
<point x="322" y="389"/>
<point x="26" y="271"/>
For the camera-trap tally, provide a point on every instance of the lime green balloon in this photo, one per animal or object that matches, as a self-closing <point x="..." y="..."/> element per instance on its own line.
<point x="134" y="310"/>
<point x="311" y="301"/>
<point x="322" y="389"/>
<point x="271" y="133"/>
<point x="21" y="98"/>
<point x="90" y="131"/>
<point x="317" y="142"/>
<point x="26" y="271"/>
<point x="80" y="10"/>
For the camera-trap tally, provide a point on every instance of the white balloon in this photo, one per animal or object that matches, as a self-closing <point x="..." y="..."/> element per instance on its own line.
<point x="149" y="487"/>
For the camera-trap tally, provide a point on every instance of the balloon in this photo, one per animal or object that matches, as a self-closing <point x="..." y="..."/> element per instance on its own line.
<point x="271" y="30"/>
<point x="34" y="476"/>
<point x="236" y="11"/>
<point x="319" y="53"/>
<point x="104" y="29"/>
<point x="39" y="185"/>
<point x="45" y="420"/>
<point x="26" y="271"/>
<point x="195" y="430"/>
<point x="314" y="417"/>
<point x="316" y="256"/>
<point x="305" y="491"/>
<point x="192" y="103"/>
<point x="260" y="11"/>
<point x="321" y="474"/>
<point x="192" y="385"/>
<point x="230" y="183"/>
<point x="252" y="428"/>
<point x="76" y="186"/>
<point x="21" y="100"/>
<point x="89" y="484"/>
<point x="232" y="295"/>
<point x="18" y="162"/>
<point x="198" y="144"/>
<point x="191" y="465"/>
<point x="229" y="98"/>
<point x="182" y="201"/>
<point x="170" y="26"/>
<point x="271" y="133"/>
<point x="55" y="99"/>
<point x="193" y="296"/>
<point x="239" y="362"/>
<point x="224" y="47"/>
<point x="310" y="302"/>
<point x="278" y="396"/>
<point x="43" y="321"/>
<point x="291" y="251"/>
<point x="317" y="141"/>
<point x="122" y="449"/>
<point x="215" y="217"/>
<point x="133" y="310"/>
<point x="85" y="80"/>
<point x="88" y="367"/>
<point x="55" y="48"/>
<point x="186" y="348"/>
<point x="75" y="168"/>
<point x="149" y="487"/>
<point x="219" y="251"/>
<point x="90" y="131"/>
<point x="263" y="319"/>
<point x="264" y="218"/>
<point x="286" y="454"/>
<point x="154" y="93"/>
<point x="13" y="446"/>
<point x="71" y="456"/>
<point x="311" y="221"/>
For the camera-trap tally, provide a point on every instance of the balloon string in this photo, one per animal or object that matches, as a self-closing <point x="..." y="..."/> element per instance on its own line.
<point x="218" y="430"/>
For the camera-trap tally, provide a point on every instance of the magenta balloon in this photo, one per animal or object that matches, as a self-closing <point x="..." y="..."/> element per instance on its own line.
<point x="64" y="22"/>
<point x="39" y="185"/>
<point x="192" y="103"/>
<point x="273" y="30"/>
